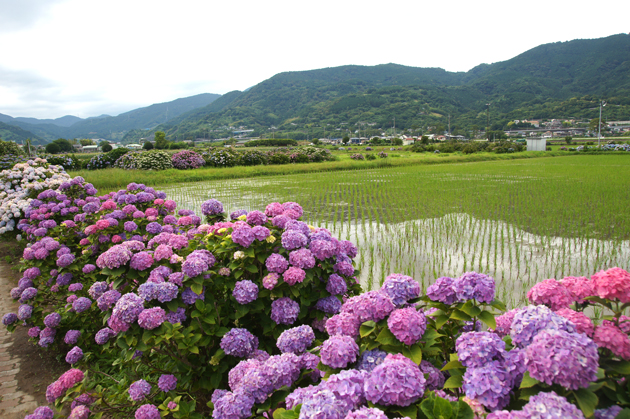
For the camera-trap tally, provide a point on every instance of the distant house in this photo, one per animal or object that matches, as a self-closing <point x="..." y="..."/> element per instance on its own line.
<point x="89" y="149"/>
<point x="133" y="146"/>
<point x="409" y="141"/>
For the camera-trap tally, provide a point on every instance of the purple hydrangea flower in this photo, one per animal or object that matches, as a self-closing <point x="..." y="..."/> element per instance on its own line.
<point x="608" y="413"/>
<point x="103" y="335"/>
<point x="34" y="332"/>
<point x="529" y="321"/>
<point x="373" y="305"/>
<point x="235" y="214"/>
<point x="347" y="324"/>
<point x="400" y="288"/>
<point x="329" y="305"/>
<point x="245" y="291"/>
<point x="32" y="273"/>
<point x="178" y="316"/>
<point x="257" y="218"/>
<point x="397" y="381"/>
<point x="284" y="311"/>
<point x="407" y="324"/>
<point x="154" y="228"/>
<point x="237" y="373"/>
<point x="243" y="236"/>
<point x="293" y="239"/>
<point x="435" y="379"/>
<point x="65" y="260"/>
<point x="473" y="285"/>
<point x="128" y="308"/>
<point x="167" y="382"/>
<point x="147" y="411"/>
<point x="115" y="257"/>
<point x="79" y="412"/>
<point x="339" y="351"/>
<point x="322" y="249"/>
<point x="347" y="386"/>
<point x="299" y="395"/>
<point x="475" y="349"/>
<point x="296" y="340"/>
<point x="72" y="336"/>
<point x="151" y="318"/>
<point x="211" y="207"/>
<point x="138" y="390"/>
<point x="97" y="289"/>
<point x="558" y="357"/>
<point x="322" y="404"/>
<point x="260" y="232"/>
<point x="367" y="413"/>
<point x="107" y="300"/>
<point x="75" y="287"/>
<point x="74" y="355"/>
<point x="234" y="405"/>
<point x="141" y="261"/>
<point x="270" y="280"/>
<point x="42" y="412"/>
<point x="276" y="263"/>
<point x="489" y="384"/>
<point x="336" y="285"/>
<point x="28" y="294"/>
<point x="302" y="258"/>
<point x="239" y="342"/>
<point x="371" y="359"/>
<point x="25" y="312"/>
<point x="282" y="370"/>
<point x="52" y="320"/>
<point x="81" y="304"/>
<point x="344" y="268"/>
<point x="550" y="405"/>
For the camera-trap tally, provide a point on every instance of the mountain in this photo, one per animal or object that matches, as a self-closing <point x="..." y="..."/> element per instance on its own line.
<point x="18" y="135"/>
<point x="110" y="127"/>
<point x="567" y="78"/>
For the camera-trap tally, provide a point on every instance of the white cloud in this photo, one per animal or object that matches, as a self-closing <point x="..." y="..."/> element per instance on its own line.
<point x="93" y="57"/>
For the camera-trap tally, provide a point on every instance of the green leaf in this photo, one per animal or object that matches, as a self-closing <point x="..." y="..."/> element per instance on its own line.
<point x="470" y="309"/>
<point x="624" y="414"/>
<point x="196" y="288"/>
<point x="461" y="410"/>
<point x="442" y="409"/>
<point x="238" y="274"/>
<point x="386" y="338"/>
<point x="440" y="321"/>
<point x="367" y="328"/>
<point x="452" y="365"/>
<point x="460" y="315"/>
<point x="409" y="411"/>
<point x="620" y="367"/>
<point x="454" y="382"/>
<point x="252" y="268"/>
<point x="528" y="381"/>
<point x="488" y="319"/>
<point x="416" y="354"/>
<point x="587" y="400"/>
<point x="285" y="414"/>
<point x="172" y="305"/>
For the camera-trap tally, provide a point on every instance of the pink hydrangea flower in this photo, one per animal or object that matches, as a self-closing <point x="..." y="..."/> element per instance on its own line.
<point x="550" y="293"/>
<point x="611" y="337"/>
<point x="582" y="322"/>
<point x="579" y="287"/>
<point x="613" y="284"/>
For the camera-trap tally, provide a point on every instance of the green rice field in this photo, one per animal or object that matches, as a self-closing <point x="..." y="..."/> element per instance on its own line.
<point x="520" y="221"/>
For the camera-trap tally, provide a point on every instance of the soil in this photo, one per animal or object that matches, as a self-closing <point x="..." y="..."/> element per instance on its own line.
<point x="38" y="367"/>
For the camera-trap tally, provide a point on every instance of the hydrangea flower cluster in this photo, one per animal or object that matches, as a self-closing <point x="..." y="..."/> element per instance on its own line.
<point x="551" y="293"/>
<point x="529" y="321"/>
<point x="400" y="288"/>
<point x="407" y="324"/>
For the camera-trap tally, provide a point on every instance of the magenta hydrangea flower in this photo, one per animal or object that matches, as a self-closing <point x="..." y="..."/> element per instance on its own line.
<point x="504" y="323"/>
<point x="475" y="349"/>
<point x="302" y="258"/>
<point x="239" y="342"/>
<point x="296" y="340"/>
<point x="322" y="404"/>
<point x="442" y="290"/>
<point x="75" y="287"/>
<point x="339" y="351"/>
<point x="579" y="287"/>
<point x="234" y="405"/>
<point x="103" y="335"/>
<point x="366" y="413"/>
<point x="407" y="324"/>
<point x="397" y="381"/>
<point x="293" y="275"/>
<point x="167" y="382"/>
<point x="243" y="236"/>
<point x="613" y="284"/>
<point x="322" y="249"/>
<point x="138" y="390"/>
<point x="347" y="324"/>
<point x="400" y="288"/>
<point x="34" y="332"/>
<point x="558" y="357"/>
<point x="128" y="308"/>
<point x="107" y="300"/>
<point x="282" y="370"/>
<point x="141" y="261"/>
<point x="284" y="310"/>
<point x="581" y="321"/>
<point x="97" y="289"/>
<point x="151" y="318"/>
<point x="276" y="263"/>
<point x="611" y="337"/>
<point x="115" y="257"/>
<point x="347" y="386"/>
<point x="551" y="293"/>
<point x="256" y="218"/>
<point x="245" y="291"/>
<point x="79" y="412"/>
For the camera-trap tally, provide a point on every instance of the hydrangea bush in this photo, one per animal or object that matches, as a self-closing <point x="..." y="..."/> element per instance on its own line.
<point x="145" y="160"/>
<point x="187" y="159"/>
<point x="158" y="313"/>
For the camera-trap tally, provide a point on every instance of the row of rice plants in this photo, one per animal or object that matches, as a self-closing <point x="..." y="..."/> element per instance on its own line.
<point x="517" y="221"/>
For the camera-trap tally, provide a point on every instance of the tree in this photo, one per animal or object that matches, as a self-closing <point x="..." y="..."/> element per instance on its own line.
<point x="595" y="122"/>
<point x="148" y="145"/>
<point x="160" y="140"/>
<point x="107" y="147"/>
<point x="424" y="140"/>
<point x="315" y="141"/>
<point x="345" y="139"/>
<point x="63" y="144"/>
<point x="397" y="141"/>
<point x="86" y="141"/>
<point x="568" y="139"/>
<point x="52" y="148"/>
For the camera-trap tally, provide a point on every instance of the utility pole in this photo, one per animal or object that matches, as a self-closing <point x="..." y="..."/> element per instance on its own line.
<point x="394" y="127"/>
<point x="449" y="125"/>
<point x="599" y="128"/>
<point x="487" y="120"/>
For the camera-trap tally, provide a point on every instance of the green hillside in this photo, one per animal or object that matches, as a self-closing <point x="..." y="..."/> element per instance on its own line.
<point x="18" y="135"/>
<point x="558" y="80"/>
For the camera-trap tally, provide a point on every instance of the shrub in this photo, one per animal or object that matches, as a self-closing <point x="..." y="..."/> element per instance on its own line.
<point x="103" y="161"/>
<point x="370" y="156"/>
<point x="382" y="154"/>
<point x="10" y="148"/>
<point x="254" y="158"/>
<point x="357" y="156"/>
<point x="187" y="159"/>
<point x="68" y="162"/>
<point x="222" y="157"/>
<point x="145" y="160"/>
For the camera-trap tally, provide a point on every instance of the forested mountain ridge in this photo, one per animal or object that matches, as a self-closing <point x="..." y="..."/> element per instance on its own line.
<point x="557" y="80"/>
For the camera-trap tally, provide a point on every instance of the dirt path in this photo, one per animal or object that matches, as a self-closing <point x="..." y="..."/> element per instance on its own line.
<point x="25" y="369"/>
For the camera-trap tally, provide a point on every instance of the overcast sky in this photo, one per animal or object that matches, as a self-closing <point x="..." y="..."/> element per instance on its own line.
<point x="87" y="58"/>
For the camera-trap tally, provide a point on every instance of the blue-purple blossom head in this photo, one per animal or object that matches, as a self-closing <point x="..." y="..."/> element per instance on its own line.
<point x="400" y="288"/>
<point x="550" y="405"/>
<point x="398" y="381"/>
<point x="293" y="239"/>
<point x="322" y="404"/>
<point x="407" y="324"/>
<point x="167" y="382"/>
<point x="529" y="321"/>
<point x="151" y="318"/>
<point x="489" y="384"/>
<point x="72" y="336"/>
<point x="476" y="286"/>
<point x="372" y="305"/>
<point x="74" y="355"/>
<point x="211" y="207"/>
<point x="475" y="349"/>
<point x="339" y="351"/>
<point x="284" y="310"/>
<point x="81" y="304"/>
<point x="245" y="291"/>
<point x="329" y="305"/>
<point x="239" y="342"/>
<point x="371" y="359"/>
<point x="138" y="390"/>
<point x="296" y="340"/>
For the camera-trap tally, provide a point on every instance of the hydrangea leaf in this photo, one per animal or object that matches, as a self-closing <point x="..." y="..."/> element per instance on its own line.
<point x="587" y="400"/>
<point x="386" y="337"/>
<point x="488" y="319"/>
<point x="451" y="365"/>
<point x="454" y="382"/>
<point x="528" y="381"/>
<point x="367" y="328"/>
